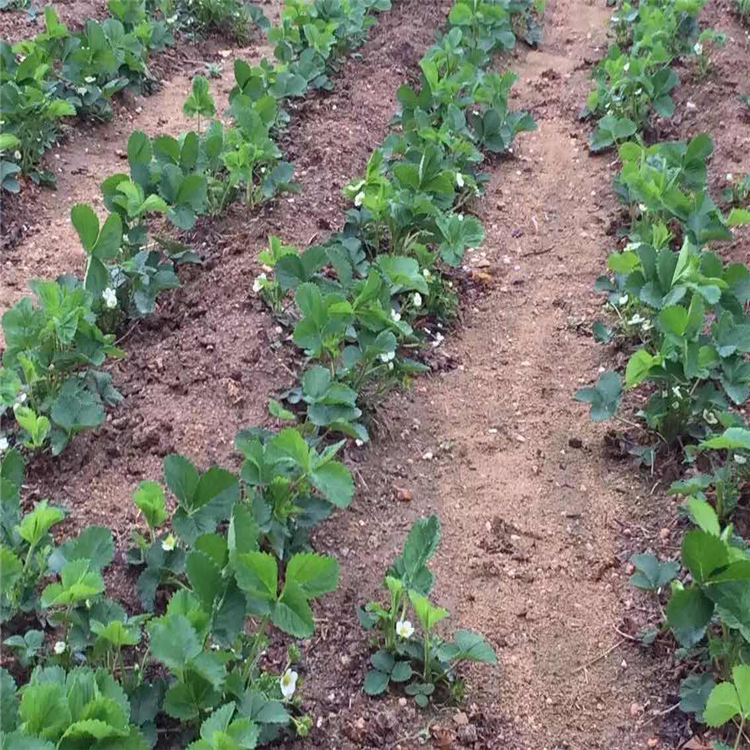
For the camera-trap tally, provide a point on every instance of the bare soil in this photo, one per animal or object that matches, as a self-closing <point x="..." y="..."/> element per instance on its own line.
<point x="24" y="23"/>
<point x="539" y="519"/>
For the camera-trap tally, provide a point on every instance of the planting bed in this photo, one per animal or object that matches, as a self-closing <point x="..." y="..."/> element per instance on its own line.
<point x="541" y="510"/>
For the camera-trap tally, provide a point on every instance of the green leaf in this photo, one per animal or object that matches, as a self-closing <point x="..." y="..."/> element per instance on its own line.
<point x="419" y="547"/>
<point x="289" y="445"/>
<point x="704" y="516"/>
<point x="199" y="102"/>
<point x="292" y="613"/>
<point x="243" y="532"/>
<point x="173" y="641"/>
<point x="181" y="477"/>
<point x="703" y="553"/>
<point x="256" y="574"/>
<point x="376" y="682"/>
<point x="110" y="238"/>
<point x="275" y="409"/>
<point x="36" y="524"/>
<point x="694" y="692"/>
<point x="402" y="671"/>
<point x="44" y="710"/>
<point x="741" y="677"/>
<point x="76" y="408"/>
<point x="335" y="482"/>
<point x="12" y="570"/>
<point x="86" y="223"/>
<point x="78" y="583"/>
<point x="738" y="216"/>
<point x="651" y="574"/>
<point x="204" y="576"/>
<point x="117" y="633"/>
<point x="604" y="397"/>
<point x="722" y="706"/>
<point x="733" y="438"/>
<point x="427" y="614"/>
<point x="149" y="499"/>
<point x="8" y="701"/>
<point x="94" y="544"/>
<point x="314" y="574"/>
<point x="473" y="647"/>
<point x="639" y="366"/>
<point x="37" y="427"/>
<point x="688" y="614"/>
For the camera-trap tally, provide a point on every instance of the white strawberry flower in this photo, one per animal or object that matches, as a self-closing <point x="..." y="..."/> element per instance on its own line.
<point x="109" y="296"/>
<point x="395" y="317"/>
<point x="698" y="48"/>
<point x="3" y="444"/>
<point x="417" y="299"/>
<point x="709" y="417"/>
<point x="259" y="282"/>
<point x="168" y="544"/>
<point x="740" y="459"/>
<point x="404" y="629"/>
<point x="730" y="177"/>
<point x="387" y="357"/>
<point x="427" y="275"/>
<point x="288" y="683"/>
<point x="359" y="198"/>
<point x="459" y="179"/>
<point x="60" y="648"/>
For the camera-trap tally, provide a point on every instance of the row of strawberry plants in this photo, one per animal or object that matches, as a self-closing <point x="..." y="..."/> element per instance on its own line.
<point x="60" y="74"/>
<point x="681" y="313"/>
<point x="366" y="298"/>
<point x="220" y="552"/>
<point x="49" y="381"/>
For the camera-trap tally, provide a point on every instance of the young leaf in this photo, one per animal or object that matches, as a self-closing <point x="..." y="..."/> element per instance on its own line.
<point x="651" y="574"/>
<point x="428" y="615"/>
<point x="36" y="524"/>
<point x="604" y="397"/>
<point x="149" y="499"/>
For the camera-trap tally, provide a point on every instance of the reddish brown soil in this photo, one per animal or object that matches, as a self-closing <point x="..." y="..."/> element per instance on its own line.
<point x="16" y="25"/>
<point x="536" y="532"/>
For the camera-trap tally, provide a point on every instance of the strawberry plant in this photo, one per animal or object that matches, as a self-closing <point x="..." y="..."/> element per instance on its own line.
<point x="47" y="372"/>
<point x="25" y="542"/>
<point x="420" y="665"/>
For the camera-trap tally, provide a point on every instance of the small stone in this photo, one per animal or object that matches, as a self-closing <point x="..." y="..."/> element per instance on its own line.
<point x="461" y="719"/>
<point x="636" y="709"/>
<point x="428" y="456"/>
<point x="402" y="494"/>
<point x="575" y="442"/>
